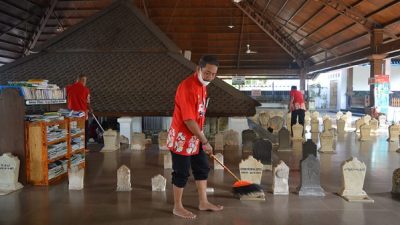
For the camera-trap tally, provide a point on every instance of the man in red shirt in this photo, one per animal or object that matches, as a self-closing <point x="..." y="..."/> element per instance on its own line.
<point x="297" y="107"/>
<point x="188" y="144"/>
<point x="78" y="99"/>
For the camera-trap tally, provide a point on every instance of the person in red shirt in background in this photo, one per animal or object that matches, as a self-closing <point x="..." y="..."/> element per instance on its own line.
<point x="188" y="145"/>
<point x="297" y="107"/>
<point x="78" y="99"/>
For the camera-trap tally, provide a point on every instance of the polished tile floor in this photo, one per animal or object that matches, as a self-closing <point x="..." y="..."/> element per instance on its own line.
<point x="99" y="203"/>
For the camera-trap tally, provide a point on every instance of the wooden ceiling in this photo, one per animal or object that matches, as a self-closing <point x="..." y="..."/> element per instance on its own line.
<point x="286" y="35"/>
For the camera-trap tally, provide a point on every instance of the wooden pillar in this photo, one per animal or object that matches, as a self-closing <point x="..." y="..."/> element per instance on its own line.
<point x="302" y="79"/>
<point x="377" y="61"/>
<point x="349" y="87"/>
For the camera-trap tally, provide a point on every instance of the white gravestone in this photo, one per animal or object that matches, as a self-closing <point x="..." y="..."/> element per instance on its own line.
<point x="9" y="171"/>
<point x="138" y="141"/>
<point x="75" y="178"/>
<point x="125" y="127"/>
<point x="307" y="121"/>
<point x="365" y="132"/>
<point x="315" y="115"/>
<point x="167" y="160"/>
<point x="158" y="183"/>
<point x="280" y="184"/>
<point x="341" y="124"/>
<point x="359" y="123"/>
<point x="263" y="118"/>
<point x="382" y="120"/>
<point x="394" y="132"/>
<point x="367" y="119"/>
<point x="353" y="175"/>
<point x="124" y="179"/>
<point x="374" y="123"/>
<point x="251" y="170"/>
<point x="327" y="124"/>
<point x="219" y="142"/>
<point x="162" y="140"/>
<point x="339" y="115"/>
<point x="326" y="139"/>
<point x="220" y="157"/>
<point x="297" y="132"/>
<point x="314" y="125"/>
<point x="325" y="117"/>
<point x="349" y="118"/>
<point x="111" y="141"/>
<point x="280" y="114"/>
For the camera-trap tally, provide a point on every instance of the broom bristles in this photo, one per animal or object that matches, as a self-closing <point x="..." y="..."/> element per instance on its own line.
<point x="245" y="188"/>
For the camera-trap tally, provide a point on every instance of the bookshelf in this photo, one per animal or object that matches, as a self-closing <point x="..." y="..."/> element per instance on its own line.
<point x="52" y="148"/>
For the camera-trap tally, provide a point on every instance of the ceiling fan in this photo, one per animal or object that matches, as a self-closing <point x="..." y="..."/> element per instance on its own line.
<point x="249" y="51"/>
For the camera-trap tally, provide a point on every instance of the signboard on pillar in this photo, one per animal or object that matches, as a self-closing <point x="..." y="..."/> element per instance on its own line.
<point x="381" y="92"/>
<point x="238" y="80"/>
<point x="256" y="92"/>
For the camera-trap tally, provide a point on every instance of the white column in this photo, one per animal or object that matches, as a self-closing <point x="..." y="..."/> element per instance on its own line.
<point x="125" y="127"/>
<point x="137" y="124"/>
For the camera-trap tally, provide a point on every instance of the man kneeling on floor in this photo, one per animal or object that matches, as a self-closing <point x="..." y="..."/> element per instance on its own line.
<point x="186" y="135"/>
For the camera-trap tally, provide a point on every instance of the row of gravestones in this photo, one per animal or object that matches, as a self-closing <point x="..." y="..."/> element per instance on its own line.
<point x="112" y="141"/>
<point x="353" y="173"/>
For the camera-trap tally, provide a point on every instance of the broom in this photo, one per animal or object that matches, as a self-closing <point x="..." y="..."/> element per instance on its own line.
<point x="243" y="189"/>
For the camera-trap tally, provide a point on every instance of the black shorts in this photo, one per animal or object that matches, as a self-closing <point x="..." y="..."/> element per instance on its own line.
<point x="181" y="165"/>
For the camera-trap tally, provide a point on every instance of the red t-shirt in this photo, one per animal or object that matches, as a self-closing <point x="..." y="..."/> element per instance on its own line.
<point x="190" y="104"/>
<point x="77" y="97"/>
<point x="298" y="100"/>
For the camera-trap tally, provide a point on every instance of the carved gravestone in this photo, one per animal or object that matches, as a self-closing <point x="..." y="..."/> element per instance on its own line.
<point x="325" y="117"/>
<point x="353" y="175"/>
<point x="382" y="120"/>
<point x="124" y="179"/>
<point x="310" y="177"/>
<point x="276" y="123"/>
<point x="271" y="114"/>
<point x="220" y="157"/>
<point x="297" y="131"/>
<point x="231" y="138"/>
<point x="396" y="182"/>
<point x="284" y="139"/>
<point x="374" y="123"/>
<point x="263" y="118"/>
<point x="280" y="183"/>
<point x="315" y="115"/>
<point x="9" y="171"/>
<point x="307" y="121"/>
<point x="341" y="124"/>
<point x="359" y="123"/>
<point x="326" y="139"/>
<point x="162" y="140"/>
<point x="76" y="178"/>
<point x="138" y="141"/>
<point x="167" y="160"/>
<point x="111" y="141"/>
<point x="248" y="136"/>
<point x="158" y="183"/>
<point x="251" y="170"/>
<point x="280" y="114"/>
<point x="365" y="132"/>
<point x="309" y="148"/>
<point x="394" y="132"/>
<point x="307" y="113"/>
<point x="327" y="124"/>
<point x="262" y="150"/>
<point x="219" y="142"/>
<point x="314" y="125"/>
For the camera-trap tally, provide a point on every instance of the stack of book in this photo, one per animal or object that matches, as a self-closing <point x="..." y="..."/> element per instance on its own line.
<point x="47" y="117"/>
<point x="57" y="168"/>
<point x="56" y="150"/>
<point x="77" y="143"/>
<point x="54" y="133"/>
<point x="77" y="159"/>
<point x="71" y="113"/>
<point x="39" y="89"/>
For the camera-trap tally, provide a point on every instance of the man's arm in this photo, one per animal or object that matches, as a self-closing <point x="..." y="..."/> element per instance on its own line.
<point x="194" y="128"/>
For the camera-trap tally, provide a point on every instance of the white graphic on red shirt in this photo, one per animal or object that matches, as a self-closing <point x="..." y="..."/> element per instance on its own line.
<point x="180" y="142"/>
<point x="171" y="137"/>
<point x="192" y="145"/>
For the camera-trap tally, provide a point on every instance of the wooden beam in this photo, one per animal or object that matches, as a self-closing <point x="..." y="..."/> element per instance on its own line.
<point x="240" y="43"/>
<point x="295" y="13"/>
<point x="309" y="19"/>
<point x="269" y="28"/>
<point x="366" y="22"/>
<point x="248" y="72"/>
<point x="42" y="24"/>
<point x="280" y="10"/>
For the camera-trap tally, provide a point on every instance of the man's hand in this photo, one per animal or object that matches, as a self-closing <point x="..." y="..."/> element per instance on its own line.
<point x="207" y="148"/>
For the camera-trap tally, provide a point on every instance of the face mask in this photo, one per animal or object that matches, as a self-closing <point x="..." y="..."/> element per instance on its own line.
<point x="203" y="82"/>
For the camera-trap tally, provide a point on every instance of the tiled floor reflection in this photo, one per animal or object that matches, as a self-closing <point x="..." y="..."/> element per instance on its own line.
<point x="99" y="203"/>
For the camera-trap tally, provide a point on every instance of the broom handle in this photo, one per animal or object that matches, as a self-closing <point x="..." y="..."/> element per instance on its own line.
<point x="220" y="163"/>
<point x="98" y="123"/>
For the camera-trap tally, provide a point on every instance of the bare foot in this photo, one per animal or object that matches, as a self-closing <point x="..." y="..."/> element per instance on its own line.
<point x="210" y="207"/>
<point x="183" y="213"/>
